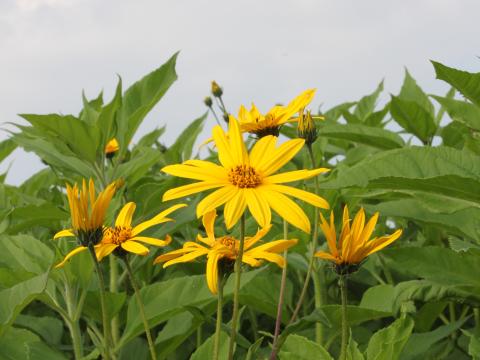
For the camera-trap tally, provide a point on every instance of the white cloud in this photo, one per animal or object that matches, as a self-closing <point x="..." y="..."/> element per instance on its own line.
<point x="31" y="5"/>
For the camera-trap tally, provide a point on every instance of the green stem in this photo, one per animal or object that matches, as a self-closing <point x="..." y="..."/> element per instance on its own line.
<point x="476" y="317"/>
<point x="236" y="291"/>
<point x="386" y="270"/>
<point x="218" y="328"/>
<point x="342" y="283"/>
<point x="72" y="323"/>
<point x="151" y="345"/>
<point x="283" y="282"/>
<point x="253" y="323"/>
<point x="114" y="289"/>
<point x="106" y="323"/>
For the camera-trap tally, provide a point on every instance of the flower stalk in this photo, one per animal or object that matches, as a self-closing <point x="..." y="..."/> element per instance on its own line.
<point x="151" y="345"/>
<point x="218" y="327"/>
<point x="342" y="283"/>
<point x="238" y="274"/>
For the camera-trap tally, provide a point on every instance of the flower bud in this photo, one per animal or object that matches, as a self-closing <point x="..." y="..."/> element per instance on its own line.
<point x="208" y="101"/>
<point x="306" y="128"/>
<point x="216" y="89"/>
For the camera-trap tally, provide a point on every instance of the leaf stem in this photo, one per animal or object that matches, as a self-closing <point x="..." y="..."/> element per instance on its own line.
<point x="106" y="323"/>
<point x="72" y="323"/>
<point x="218" y="328"/>
<point x="114" y="289"/>
<point x="342" y="283"/>
<point x="151" y="345"/>
<point x="238" y="274"/>
<point x="281" y="296"/>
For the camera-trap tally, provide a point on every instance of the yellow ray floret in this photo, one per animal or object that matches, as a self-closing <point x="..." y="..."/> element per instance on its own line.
<point x="248" y="180"/>
<point x="112" y="147"/>
<point x="124" y="236"/>
<point x="354" y="243"/>
<point x="226" y="248"/>
<point x="263" y="124"/>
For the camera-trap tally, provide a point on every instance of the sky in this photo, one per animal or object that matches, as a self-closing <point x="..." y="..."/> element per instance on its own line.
<point x="266" y="51"/>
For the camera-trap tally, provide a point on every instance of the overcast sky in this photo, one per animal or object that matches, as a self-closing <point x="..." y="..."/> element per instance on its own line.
<point x="258" y="50"/>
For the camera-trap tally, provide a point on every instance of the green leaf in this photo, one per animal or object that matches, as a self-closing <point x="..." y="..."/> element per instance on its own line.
<point x="107" y="115"/>
<point x="412" y="92"/>
<point x="467" y="83"/>
<point x="413" y="118"/>
<point x="114" y="303"/>
<point x="473" y="345"/>
<point x="353" y="353"/>
<point x="182" y="149"/>
<point x="151" y="138"/>
<point x="26" y="217"/>
<point x="19" y="344"/>
<point x="300" y="348"/>
<point x="139" y="164"/>
<point x="333" y="114"/>
<point x="6" y="148"/>
<point x="205" y="351"/>
<point x="140" y="98"/>
<point x="462" y="111"/>
<point x="366" y="105"/>
<point x="378" y="298"/>
<point x="389" y="342"/>
<point x="50" y="329"/>
<point x="372" y="136"/>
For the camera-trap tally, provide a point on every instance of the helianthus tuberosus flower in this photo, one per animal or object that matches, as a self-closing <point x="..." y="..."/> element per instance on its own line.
<point x="354" y="244"/>
<point x="111" y="148"/>
<point x="87" y="211"/>
<point x="125" y="238"/>
<point x="226" y="248"/>
<point x="306" y="128"/>
<point x="269" y="124"/>
<point x="247" y="179"/>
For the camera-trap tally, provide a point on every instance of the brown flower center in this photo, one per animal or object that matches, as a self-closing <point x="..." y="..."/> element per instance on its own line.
<point x="117" y="235"/>
<point x="228" y="242"/>
<point x="244" y="176"/>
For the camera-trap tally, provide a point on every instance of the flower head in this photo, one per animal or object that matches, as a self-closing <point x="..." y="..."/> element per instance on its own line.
<point x="354" y="244"/>
<point x="123" y="237"/>
<point x="306" y="128"/>
<point x="216" y="89"/>
<point x="269" y="124"/>
<point x="87" y="211"/>
<point x="112" y="147"/>
<point x="225" y="248"/>
<point x="247" y="179"/>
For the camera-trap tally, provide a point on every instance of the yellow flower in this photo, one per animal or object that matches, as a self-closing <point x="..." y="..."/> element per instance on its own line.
<point x="112" y="147"/>
<point x="87" y="212"/>
<point x="269" y="124"/>
<point x="223" y="248"/>
<point x="354" y="244"/>
<point x="124" y="237"/>
<point x="306" y="127"/>
<point x="248" y="180"/>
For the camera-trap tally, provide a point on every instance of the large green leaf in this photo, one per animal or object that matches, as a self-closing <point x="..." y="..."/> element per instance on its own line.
<point x="389" y="342"/>
<point x="49" y="328"/>
<point x="363" y="134"/>
<point x="205" y="351"/>
<point x="366" y="105"/>
<point x="465" y="112"/>
<point x="467" y="83"/>
<point x="46" y="215"/>
<point x="378" y="298"/>
<point x="413" y="118"/>
<point x="412" y="92"/>
<point x="442" y="171"/>
<point x="297" y="347"/>
<point x="6" y="148"/>
<point x="182" y="149"/>
<point x="140" y="98"/>
<point x="139" y="164"/>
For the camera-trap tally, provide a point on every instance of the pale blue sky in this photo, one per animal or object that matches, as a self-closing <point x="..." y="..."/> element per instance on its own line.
<point x="264" y="51"/>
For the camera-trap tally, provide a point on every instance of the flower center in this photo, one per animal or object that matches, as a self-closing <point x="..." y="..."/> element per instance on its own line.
<point x="244" y="176"/>
<point x="228" y="242"/>
<point x="117" y="235"/>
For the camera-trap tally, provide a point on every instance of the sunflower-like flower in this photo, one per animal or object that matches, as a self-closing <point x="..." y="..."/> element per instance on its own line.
<point x="225" y="249"/>
<point x="354" y="244"/>
<point x="269" y="124"/>
<point x="248" y="180"/>
<point x="111" y="148"/>
<point x="123" y="238"/>
<point x="87" y="211"/>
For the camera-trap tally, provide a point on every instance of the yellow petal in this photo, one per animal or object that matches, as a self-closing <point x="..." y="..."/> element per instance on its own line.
<point x="368" y="230"/>
<point x="158" y="219"/>
<point x="294" y="175"/>
<point x="234" y="208"/>
<point x="250" y="241"/>
<point x="325" y="255"/>
<point x="153" y="241"/>
<point x="191" y="170"/>
<point x="103" y="250"/>
<point x="286" y="208"/>
<point x="283" y="154"/>
<point x="381" y="242"/>
<point x="124" y="218"/>
<point x="216" y="199"/>
<point x="212" y="270"/>
<point x="187" y="257"/>
<point x="357" y="226"/>
<point x="208" y="221"/>
<point x="237" y="146"/>
<point x="223" y="146"/>
<point x="330" y="234"/>
<point x="63" y="233"/>
<point x="306" y="196"/>
<point x="70" y="254"/>
<point x="250" y="260"/>
<point x="274" y="246"/>
<point x="189" y="189"/>
<point x="300" y="102"/>
<point x="134" y="247"/>
<point x="258" y="207"/>
<point x="261" y="151"/>
<point x="271" y="257"/>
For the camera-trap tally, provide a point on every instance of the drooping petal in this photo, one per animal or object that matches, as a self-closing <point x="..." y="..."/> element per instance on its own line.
<point x="124" y="218"/>
<point x="271" y="257"/>
<point x="134" y="247"/>
<point x="187" y="257"/>
<point x="286" y="208"/>
<point x="103" y="250"/>
<point x="158" y="219"/>
<point x="234" y="208"/>
<point x="294" y="175"/>
<point x="70" y="254"/>
<point x="216" y="199"/>
<point x="250" y="260"/>
<point x="326" y="256"/>
<point x="212" y="270"/>
<point x="190" y="189"/>
<point x="274" y="246"/>
<point x="208" y="221"/>
<point x="63" y="233"/>
<point x="283" y="154"/>
<point x="258" y="206"/>
<point x="250" y="241"/>
<point x="153" y="241"/>
<point x="306" y="196"/>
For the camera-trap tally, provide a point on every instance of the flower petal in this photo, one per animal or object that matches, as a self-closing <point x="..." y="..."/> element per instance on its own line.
<point x="103" y="250"/>
<point x="124" y="218"/>
<point x="191" y="170"/>
<point x="238" y="150"/>
<point x="208" y="221"/>
<point x="234" y="208"/>
<point x="70" y="254"/>
<point x="187" y="257"/>
<point x="216" y="199"/>
<point x="274" y="246"/>
<point x="157" y="219"/>
<point x="258" y="206"/>
<point x="283" y="154"/>
<point x="223" y="145"/>
<point x="294" y="175"/>
<point x="261" y="151"/>
<point x="330" y="234"/>
<point x="134" y="247"/>
<point x="326" y="256"/>
<point x="306" y="196"/>
<point x="212" y="270"/>
<point x="250" y="241"/>
<point x="63" y="233"/>
<point x="153" y="241"/>
<point x="189" y="189"/>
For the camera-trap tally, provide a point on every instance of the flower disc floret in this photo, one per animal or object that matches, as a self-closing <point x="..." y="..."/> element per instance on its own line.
<point x="244" y="176"/>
